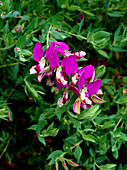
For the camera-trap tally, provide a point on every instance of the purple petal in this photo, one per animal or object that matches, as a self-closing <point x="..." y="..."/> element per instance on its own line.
<point x="97" y="100"/>
<point x="74" y="89"/>
<point x="54" y="60"/>
<point x="71" y="65"/>
<point x="40" y="76"/>
<point x="59" y="50"/>
<point x="59" y="85"/>
<point x="37" y="52"/>
<point x="89" y="71"/>
<point x="62" y="45"/>
<point x="63" y="64"/>
<point x="81" y="81"/>
<point x="80" y="54"/>
<point x="76" y="106"/>
<point x="93" y="87"/>
<point x="49" y="52"/>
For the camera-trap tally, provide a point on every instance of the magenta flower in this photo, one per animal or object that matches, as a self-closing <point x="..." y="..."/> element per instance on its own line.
<point x="62" y="100"/>
<point x="69" y="65"/>
<point x="78" y="55"/>
<point x="74" y="80"/>
<point x="61" y="78"/>
<point x="51" y="53"/>
<point x="37" y="52"/>
<point x="41" y="70"/>
<point x="86" y="95"/>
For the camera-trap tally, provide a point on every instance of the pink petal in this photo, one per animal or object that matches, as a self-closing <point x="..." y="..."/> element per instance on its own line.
<point x="59" y="85"/>
<point x="74" y="89"/>
<point x="80" y="54"/>
<point x="40" y="76"/>
<point x="81" y="81"/>
<point x="54" y="60"/>
<point x="71" y="65"/>
<point x="62" y="45"/>
<point x="97" y="100"/>
<point x="63" y="64"/>
<point x="59" y="50"/>
<point x="73" y="163"/>
<point x="89" y="71"/>
<point x="37" y="52"/>
<point x="93" y="87"/>
<point x="50" y="51"/>
<point x="76" y="106"/>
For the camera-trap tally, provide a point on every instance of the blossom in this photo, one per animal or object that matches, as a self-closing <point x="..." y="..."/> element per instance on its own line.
<point x="61" y="77"/>
<point x="37" y="52"/>
<point x="51" y="53"/>
<point x="78" y="55"/>
<point x="40" y="69"/>
<point x="18" y="28"/>
<point x="86" y="95"/>
<point x="69" y="65"/>
<point x="62" y="100"/>
<point x="74" y="79"/>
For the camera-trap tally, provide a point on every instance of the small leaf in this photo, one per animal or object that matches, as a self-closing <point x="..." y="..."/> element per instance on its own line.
<point x="78" y="152"/>
<point x="99" y="72"/>
<point x="122" y="99"/>
<point x="89" y="137"/>
<point x="54" y="155"/>
<point x="42" y="140"/>
<point x="33" y="127"/>
<point x="103" y="53"/>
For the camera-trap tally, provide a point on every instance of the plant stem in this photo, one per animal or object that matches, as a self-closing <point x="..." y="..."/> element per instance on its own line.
<point x="80" y="36"/>
<point x="120" y="119"/>
<point x="48" y="35"/>
<point x="12" y="64"/>
<point x="6" y="146"/>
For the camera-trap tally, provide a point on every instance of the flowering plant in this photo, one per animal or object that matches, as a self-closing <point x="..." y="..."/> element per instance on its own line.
<point x="80" y="81"/>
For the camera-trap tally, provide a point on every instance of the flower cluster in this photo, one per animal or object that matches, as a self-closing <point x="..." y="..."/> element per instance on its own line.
<point x="80" y="81"/>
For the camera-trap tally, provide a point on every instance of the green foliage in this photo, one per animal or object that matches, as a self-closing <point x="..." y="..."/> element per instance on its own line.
<point x="35" y="132"/>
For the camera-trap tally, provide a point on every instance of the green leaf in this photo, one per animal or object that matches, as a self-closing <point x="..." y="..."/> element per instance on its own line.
<point x="100" y="35"/>
<point x="42" y="140"/>
<point x="57" y="35"/>
<point x="122" y="99"/>
<point x="80" y="25"/>
<point x="75" y="121"/>
<point x="90" y="138"/>
<point x="108" y="124"/>
<point x="116" y="14"/>
<point x="33" y="127"/>
<point x="110" y="90"/>
<point x="89" y="13"/>
<point x="78" y="152"/>
<point x="90" y="36"/>
<point x="21" y="41"/>
<point x="117" y="33"/>
<point x="99" y="72"/>
<point x="86" y="114"/>
<point x="107" y="167"/>
<point x="54" y="155"/>
<point x="74" y="8"/>
<point x="103" y="53"/>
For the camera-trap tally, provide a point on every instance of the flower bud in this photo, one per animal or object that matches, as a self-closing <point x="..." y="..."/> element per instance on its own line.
<point x="18" y="28"/>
